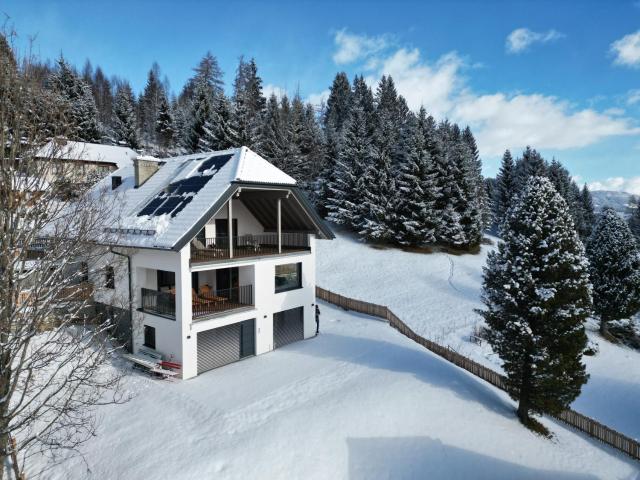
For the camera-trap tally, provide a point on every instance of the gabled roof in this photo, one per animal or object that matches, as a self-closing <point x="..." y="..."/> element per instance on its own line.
<point x="174" y="203"/>
<point x="88" y="152"/>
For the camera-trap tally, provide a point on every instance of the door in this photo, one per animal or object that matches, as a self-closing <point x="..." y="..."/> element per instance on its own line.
<point x="224" y="345"/>
<point x="227" y="282"/>
<point x="222" y="227"/>
<point x="288" y="326"/>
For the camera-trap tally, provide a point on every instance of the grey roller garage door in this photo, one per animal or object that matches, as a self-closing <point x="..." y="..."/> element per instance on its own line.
<point x="220" y="346"/>
<point x="288" y="326"/>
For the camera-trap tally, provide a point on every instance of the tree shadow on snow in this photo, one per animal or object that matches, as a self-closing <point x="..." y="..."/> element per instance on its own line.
<point x="403" y="458"/>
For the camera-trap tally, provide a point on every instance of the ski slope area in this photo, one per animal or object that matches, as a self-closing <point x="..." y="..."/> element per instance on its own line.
<point x="358" y="402"/>
<point x="437" y="293"/>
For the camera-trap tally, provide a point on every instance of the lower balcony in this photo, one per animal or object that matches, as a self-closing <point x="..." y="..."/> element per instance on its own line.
<point x="204" y="303"/>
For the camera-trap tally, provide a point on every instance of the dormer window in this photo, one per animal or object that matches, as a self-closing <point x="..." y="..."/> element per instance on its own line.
<point x="116" y="181"/>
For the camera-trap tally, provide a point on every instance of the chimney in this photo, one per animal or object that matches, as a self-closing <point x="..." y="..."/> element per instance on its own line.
<point x="144" y="168"/>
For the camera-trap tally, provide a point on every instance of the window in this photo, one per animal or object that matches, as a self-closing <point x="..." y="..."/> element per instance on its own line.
<point x="110" y="277"/>
<point x="116" y="181"/>
<point x="149" y="337"/>
<point x="288" y="277"/>
<point x="166" y="280"/>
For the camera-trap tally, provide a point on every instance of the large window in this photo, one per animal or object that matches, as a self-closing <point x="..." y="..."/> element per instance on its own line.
<point x="149" y="337"/>
<point x="288" y="277"/>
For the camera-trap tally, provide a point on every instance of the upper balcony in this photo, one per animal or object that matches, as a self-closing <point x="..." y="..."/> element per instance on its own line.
<point x="245" y="246"/>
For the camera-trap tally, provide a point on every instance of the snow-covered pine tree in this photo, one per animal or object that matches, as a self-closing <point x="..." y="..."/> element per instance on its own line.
<point x="634" y="219"/>
<point x="200" y="135"/>
<point x="379" y="205"/>
<point x="560" y="179"/>
<point x="349" y="187"/>
<point x="335" y="116"/>
<point x="574" y="200"/>
<point x="482" y="196"/>
<point x="76" y="94"/>
<point x="588" y="211"/>
<point x="537" y="294"/>
<point x="165" y="128"/>
<point x="311" y="146"/>
<point x="149" y="106"/>
<point x="223" y="125"/>
<point x="416" y="188"/>
<point x="471" y="182"/>
<point x="124" y="117"/>
<point x="249" y="104"/>
<point x="449" y="194"/>
<point x="505" y="190"/>
<point x="530" y="165"/>
<point x="615" y="268"/>
<point x="273" y="148"/>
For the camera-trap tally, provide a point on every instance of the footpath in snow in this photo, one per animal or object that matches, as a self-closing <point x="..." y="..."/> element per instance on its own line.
<point x="359" y="402"/>
<point x="436" y="294"/>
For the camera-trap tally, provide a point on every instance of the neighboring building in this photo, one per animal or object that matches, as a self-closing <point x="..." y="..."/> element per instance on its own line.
<point x="217" y="253"/>
<point x="88" y="162"/>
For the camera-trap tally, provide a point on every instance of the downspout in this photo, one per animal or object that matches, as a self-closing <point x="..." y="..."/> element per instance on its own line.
<point x="130" y="289"/>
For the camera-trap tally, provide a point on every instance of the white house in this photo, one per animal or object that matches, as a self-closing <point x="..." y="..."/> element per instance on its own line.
<point x="206" y="291"/>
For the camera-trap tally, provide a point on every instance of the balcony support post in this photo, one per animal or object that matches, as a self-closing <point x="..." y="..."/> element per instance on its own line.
<point x="230" y="225"/>
<point x="279" y="225"/>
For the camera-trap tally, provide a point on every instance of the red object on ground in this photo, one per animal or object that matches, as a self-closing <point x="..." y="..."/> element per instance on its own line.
<point x="176" y="366"/>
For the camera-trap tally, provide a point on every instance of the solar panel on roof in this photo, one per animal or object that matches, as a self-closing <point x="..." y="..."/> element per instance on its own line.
<point x="151" y="207"/>
<point x="216" y="162"/>
<point x="183" y="204"/>
<point x="168" y="205"/>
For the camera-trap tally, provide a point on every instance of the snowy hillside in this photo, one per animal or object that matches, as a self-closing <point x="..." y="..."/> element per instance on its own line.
<point x="437" y="294"/>
<point x="359" y="402"/>
<point x="619" y="201"/>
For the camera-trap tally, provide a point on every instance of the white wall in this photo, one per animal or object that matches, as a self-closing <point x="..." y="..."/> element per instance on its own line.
<point x="247" y="223"/>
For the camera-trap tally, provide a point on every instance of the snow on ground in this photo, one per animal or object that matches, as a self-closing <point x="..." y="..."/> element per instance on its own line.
<point x="437" y="293"/>
<point x="359" y="402"/>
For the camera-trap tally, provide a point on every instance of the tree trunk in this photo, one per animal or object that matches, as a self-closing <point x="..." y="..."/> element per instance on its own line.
<point x="524" y="401"/>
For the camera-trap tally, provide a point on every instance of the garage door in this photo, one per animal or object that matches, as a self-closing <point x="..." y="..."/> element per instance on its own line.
<point x="288" y="326"/>
<point x="224" y="345"/>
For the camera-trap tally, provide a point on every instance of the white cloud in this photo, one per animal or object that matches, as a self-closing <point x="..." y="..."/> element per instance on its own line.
<point x="499" y="120"/>
<point x="522" y="38"/>
<point x="318" y="98"/>
<point x="270" y="89"/>
<point x="633" y="97"/>
<point x="352" y="47"/>
<point x="627" y="50"/>
<point x="629" y="185"/>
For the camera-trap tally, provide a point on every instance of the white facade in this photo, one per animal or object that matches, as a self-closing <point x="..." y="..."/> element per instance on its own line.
<point x="176" y="339"/>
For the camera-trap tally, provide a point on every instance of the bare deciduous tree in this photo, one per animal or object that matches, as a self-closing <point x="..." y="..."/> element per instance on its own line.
<point x="55" y="354"/>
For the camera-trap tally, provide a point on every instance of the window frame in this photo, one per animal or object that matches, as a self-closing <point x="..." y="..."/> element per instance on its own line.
<point x="289" y="288"/>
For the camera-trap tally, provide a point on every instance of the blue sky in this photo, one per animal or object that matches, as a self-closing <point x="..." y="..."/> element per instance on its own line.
<point x="561" y="76"/>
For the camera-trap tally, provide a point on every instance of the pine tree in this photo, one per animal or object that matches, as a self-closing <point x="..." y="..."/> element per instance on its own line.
<point x="349" y="188"/>
<point x="416" y="189"/>
<point x="505" y="188"/>
<point x="76" y="94"/>
<point x="200" y="135"/>
<point x="537" y="293"/>
<point x="223" y="127"/>
<point x="149" y="105"/>
<point x="634" y="219"/>
<point x="273" y="132"/>
<point x="124" y="121"/>
<point x="530" y="165"/>
<point x="165" y="128"/>
<point x="249" y="104"/>
<point x="588" y="210"/>
<point x="615" y="268"/>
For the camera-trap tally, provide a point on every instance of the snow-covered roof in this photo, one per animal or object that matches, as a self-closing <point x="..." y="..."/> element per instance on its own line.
<point x="181" y="193"/>
<point x="88" y="152"/>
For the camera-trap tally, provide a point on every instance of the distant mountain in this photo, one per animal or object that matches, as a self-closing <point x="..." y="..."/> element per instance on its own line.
<point x="619" y="201"/>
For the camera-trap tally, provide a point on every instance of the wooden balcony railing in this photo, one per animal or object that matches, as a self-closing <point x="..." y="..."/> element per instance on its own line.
<point x="220" y="248"/>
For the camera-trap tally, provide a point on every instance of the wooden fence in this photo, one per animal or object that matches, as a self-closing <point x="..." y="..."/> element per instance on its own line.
<point x="572" y="418"/>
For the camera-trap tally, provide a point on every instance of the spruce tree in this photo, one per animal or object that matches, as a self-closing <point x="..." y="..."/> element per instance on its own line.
<point x="223" y="126"/>
<point x="416" y="189"/>
<point x="273" y="132"/>
<point x="149" y="105"/>
<point x="588" y="212"/>
<point x="249" y="104"/>
<point x="537" y="294"/>
<point x="615" y="268"/>
<point x="634" y="219"/>
<point x="505" y="188"/>
<point x="200" y="135"/>
<point x="530" y="165"/>
<point x="124" y="121"/>
<point x="165" y="128"/>
<point x="76" y="95"/>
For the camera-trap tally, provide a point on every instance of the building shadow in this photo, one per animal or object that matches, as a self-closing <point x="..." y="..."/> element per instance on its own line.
<point x="407" y="458"/>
